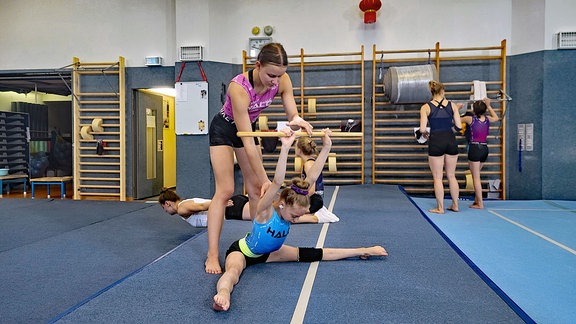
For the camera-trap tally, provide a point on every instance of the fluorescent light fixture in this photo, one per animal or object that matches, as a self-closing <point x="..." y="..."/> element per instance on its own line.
<point x="164" y="91"/>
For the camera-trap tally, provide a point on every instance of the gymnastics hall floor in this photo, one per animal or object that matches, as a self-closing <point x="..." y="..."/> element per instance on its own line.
<point x="66" y="261"/>
<point x="525" y="249"/>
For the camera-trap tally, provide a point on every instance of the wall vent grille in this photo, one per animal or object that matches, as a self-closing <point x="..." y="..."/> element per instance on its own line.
<point x="191" y="53"/>
<point x="567" y="40"/>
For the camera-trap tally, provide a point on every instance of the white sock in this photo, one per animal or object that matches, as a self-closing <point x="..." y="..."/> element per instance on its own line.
<point x="326" y="216"/>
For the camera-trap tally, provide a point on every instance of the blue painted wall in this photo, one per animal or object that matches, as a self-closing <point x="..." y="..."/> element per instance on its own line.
<point x="559" y="114"/>
<point x="543" y="85"/>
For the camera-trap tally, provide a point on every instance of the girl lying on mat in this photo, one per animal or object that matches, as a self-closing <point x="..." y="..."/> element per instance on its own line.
<point x="265" y="243"/>
<point x="195" y="210"/>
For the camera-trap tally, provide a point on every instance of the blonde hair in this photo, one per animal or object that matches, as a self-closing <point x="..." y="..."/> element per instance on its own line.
<point x="307" y="145"/>
<point x="435" y="87"/>
<point x="293" y="198"/>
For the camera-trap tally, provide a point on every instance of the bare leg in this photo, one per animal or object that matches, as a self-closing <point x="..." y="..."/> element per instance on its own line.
<point x="251" y="182"/>
<point x="222" y="159"/>
<point x="436" y="166"/>
<point x="290" y="254"/>
<point x="475" y="168"/>
<point x="246" y="212"/>
<point x="331" y="254"/>
<point x="235" y="264"/>
<point x="450" y="167"/>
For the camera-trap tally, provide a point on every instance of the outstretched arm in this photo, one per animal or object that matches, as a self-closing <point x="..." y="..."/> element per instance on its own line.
<point x="287" y="94"/>
<point x="318" y="166"/>
<point x="240" y="102"/>
<point x="264" y="209"/>
<point x="190" y="207"/>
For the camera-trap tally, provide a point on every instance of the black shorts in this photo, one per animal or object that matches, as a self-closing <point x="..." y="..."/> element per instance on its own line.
<point x="316" y="202"/>
<point x="235" y="211"/>
<point x="223" y="132"/>
<point x="477" y="152"/>
<point x="249" y="261"/>
<point x="441" y="143"/>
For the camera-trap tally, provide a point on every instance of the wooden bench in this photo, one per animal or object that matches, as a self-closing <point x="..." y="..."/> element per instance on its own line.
<point x="51" y="181"/>
<point x="12" y="178"/>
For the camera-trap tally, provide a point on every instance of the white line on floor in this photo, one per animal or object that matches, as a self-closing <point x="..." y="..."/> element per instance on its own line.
<point x="534" y="232"/>
<point x="302" y="304"/>
<point x="535" y="209"/>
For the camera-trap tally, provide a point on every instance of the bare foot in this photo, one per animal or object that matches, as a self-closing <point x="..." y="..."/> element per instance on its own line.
<point x="476" y="206"/>
<point x="212" y="265"/>
<point x="436" y="210"/>
<point x="453" y="208"/>
<point x="373" y="251"/>
<point x="222" y="300"/>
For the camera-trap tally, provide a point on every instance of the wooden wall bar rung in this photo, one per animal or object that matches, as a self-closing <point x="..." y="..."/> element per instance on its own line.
<point x="332" y="87"/>
<point x="99" y="102"/>
<point x="96" y="94"/>
<point x="99" y="194"/>
<point x="100" y="179"/>
<point x="100" y="186"/>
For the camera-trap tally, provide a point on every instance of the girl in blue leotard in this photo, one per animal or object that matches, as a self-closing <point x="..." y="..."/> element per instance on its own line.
<point x="265" y="243"/>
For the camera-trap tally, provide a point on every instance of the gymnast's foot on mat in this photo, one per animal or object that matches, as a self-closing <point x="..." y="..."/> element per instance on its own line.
<point x="212" y="265"/>
<point x="453" y="208"/>
<point x="373" y="251"/>
<point x="436" y="210"/>
<point x="477" y="206"/>
<point x="222" y="300"/>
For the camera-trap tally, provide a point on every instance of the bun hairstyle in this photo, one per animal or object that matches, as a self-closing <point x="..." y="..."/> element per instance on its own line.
<point x="296" y="194"/>
<point x="273" y="53"/>
<point x="307" y="145"/>
<point x="479" y="107"/>
<point x="167" y="195"/>
<point x="435" y="87"/>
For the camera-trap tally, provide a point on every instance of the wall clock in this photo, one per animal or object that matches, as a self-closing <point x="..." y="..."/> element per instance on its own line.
<point x="256" y="43"/>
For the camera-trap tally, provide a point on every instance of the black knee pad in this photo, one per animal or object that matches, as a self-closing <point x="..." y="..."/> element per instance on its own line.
<point x="235" y="211"/>
<point x="309" y="254"/>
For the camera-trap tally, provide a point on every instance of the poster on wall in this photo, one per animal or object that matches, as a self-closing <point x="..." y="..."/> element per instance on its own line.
<point x="191" y="112"/>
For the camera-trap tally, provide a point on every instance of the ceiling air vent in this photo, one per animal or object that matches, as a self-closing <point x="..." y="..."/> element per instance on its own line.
<point x="191" y="53"/>
<point x="567" y="40"/>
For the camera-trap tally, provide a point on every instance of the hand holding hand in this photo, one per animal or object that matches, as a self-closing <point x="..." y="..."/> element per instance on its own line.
<point x="289" y="138"/>
<point x="326" y="139"/>
<point x="298" y="122"/>
<point x="264" y="188"/>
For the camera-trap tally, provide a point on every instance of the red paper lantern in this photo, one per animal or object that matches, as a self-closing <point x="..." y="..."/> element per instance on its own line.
<point x="369" y="7"/>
